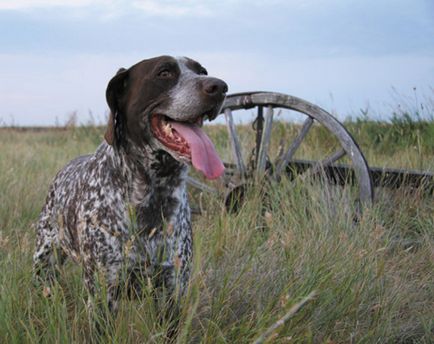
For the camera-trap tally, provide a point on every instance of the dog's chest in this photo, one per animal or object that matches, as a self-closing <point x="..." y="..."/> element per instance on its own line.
<point x="161" y="219"/>
<point x="160" y="206"/>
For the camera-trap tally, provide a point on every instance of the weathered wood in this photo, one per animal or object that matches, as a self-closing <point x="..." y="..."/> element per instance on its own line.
<point x="396" y="178"/>
<point x="258" y="125"/>
<point x="342" y="174"/>
<point x="235" y="142"/>
<point x="251" y="99"/>
<point x="293" y="147"/>
<point x="265" y="141"/>
<point x="358" y="173"/>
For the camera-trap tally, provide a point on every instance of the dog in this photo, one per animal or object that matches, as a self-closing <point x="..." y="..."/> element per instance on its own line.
<point x="125" y="207"/>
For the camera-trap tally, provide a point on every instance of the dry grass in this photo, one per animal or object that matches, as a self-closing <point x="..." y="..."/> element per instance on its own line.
<point x="374" y="279"/>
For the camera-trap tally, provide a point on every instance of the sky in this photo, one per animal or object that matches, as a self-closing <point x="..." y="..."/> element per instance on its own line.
<point x="56" y="57"/>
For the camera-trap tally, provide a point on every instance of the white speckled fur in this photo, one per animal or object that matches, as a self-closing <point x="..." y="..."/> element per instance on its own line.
<point x="125" y="208"/>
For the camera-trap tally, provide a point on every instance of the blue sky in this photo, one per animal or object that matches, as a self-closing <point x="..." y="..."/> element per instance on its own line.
<point x="56" y="57"/>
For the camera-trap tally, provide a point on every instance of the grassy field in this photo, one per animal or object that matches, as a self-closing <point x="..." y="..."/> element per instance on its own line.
<point x="374" y="280"/>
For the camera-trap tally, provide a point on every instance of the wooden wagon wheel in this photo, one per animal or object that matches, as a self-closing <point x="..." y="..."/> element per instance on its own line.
<point x="242" y="170"/>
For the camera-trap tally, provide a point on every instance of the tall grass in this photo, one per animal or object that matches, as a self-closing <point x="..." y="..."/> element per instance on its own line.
<point x="374" y="279"/>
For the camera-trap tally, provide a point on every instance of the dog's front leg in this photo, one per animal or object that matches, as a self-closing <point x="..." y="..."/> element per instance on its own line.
<point x="171" y="254"/>
<point x="102" y="262"/>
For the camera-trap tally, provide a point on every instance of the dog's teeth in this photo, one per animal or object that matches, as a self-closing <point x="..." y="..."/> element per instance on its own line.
<point x="167" y="128"/>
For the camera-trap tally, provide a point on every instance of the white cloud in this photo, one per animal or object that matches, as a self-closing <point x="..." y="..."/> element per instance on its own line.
<point x="192" y="8"/>
<point x="151" y="7"/>
<point x="174" y="8"/>
<point x="170" y="8"/>
<point x="157" y="8"/>
<point x="27" y="4"/>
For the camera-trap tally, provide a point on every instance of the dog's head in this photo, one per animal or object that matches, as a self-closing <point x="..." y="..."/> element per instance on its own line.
<point x="162" y="103"/>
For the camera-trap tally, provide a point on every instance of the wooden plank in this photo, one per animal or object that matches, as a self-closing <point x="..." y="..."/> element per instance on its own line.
<point x="294" y="146"/>
<point x="265" y="141"/>
<point x="391" y="178"/>
<point x="235" y="143"/>
<point x="396" y="178"/>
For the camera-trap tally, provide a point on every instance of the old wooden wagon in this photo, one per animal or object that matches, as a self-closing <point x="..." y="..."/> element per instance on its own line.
<point x="263" y="164"/>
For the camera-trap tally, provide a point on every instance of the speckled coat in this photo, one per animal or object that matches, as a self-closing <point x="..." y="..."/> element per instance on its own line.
<point x="124" y="209"/>
<point x="110" y="213"/>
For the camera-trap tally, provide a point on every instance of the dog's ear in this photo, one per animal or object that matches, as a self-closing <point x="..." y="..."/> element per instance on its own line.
<point x="115" y="89"/>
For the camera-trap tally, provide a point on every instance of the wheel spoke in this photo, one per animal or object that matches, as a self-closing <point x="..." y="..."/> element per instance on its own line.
<point x="259" y="124"/>
<point x="294" y="146"/>
<point x="235" y="143"/>
<point x="328" y="161"/>
<point x="199" y="185"/>
<point x="265" y="141"/>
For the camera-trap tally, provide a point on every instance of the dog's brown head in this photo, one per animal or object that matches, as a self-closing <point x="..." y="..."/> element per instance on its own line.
<point x="162" y="103"/>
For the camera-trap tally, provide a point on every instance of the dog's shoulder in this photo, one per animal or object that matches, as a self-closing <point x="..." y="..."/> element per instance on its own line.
<point x="88" y="178"/>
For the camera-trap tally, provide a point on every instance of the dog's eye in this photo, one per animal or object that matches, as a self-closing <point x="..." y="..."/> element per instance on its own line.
<point x="165" y="73"/>
<point x="203" y="71"/>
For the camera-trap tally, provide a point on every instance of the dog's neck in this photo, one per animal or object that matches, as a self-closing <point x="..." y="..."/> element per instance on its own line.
<point x="145" y="171"/>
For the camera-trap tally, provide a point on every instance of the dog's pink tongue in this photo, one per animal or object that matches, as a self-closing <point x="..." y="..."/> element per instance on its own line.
<point x="203" y="154"/>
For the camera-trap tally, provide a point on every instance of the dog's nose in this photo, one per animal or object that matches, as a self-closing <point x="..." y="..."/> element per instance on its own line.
<point x="214" y="87"/>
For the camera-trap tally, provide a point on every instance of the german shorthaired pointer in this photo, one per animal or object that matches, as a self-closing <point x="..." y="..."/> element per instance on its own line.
<point x="125" y="207"/>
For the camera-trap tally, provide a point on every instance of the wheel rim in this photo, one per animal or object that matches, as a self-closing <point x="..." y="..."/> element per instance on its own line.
<point x="270" y="101"/>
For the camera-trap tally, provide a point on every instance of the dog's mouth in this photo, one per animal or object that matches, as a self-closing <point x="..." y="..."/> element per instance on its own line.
<point x="188" y="140"/>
